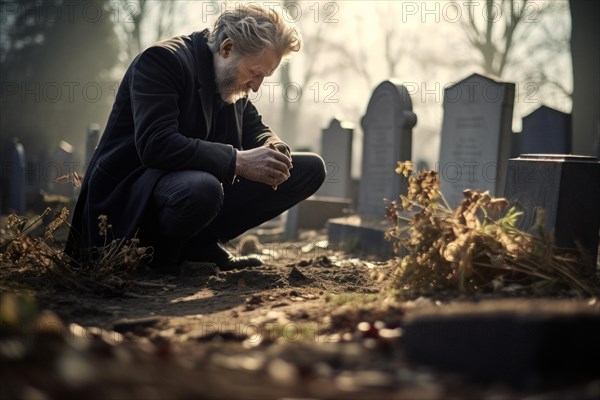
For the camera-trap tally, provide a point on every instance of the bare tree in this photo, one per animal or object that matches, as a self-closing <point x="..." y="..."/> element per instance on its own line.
<point x="132" y="16"/>
<point x="353" y="57"/>
<point x="552" y="40"/>
<point x="313" y="47"/>
<point x="397" y="45"/>
<point x="504" y="23"/>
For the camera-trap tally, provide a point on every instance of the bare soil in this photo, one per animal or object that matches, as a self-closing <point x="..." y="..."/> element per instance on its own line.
<point x="312" y="322"/>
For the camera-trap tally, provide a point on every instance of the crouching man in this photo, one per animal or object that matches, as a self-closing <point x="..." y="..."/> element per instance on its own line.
<point x="185" y="162"/>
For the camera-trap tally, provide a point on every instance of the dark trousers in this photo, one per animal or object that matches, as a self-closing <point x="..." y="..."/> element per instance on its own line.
<point x="193" y="208"/>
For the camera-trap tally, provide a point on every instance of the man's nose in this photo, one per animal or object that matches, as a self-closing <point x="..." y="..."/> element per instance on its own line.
<point x="255" y="84"/>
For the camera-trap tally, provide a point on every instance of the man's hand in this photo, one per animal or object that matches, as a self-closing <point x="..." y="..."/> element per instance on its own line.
<point x="283" y="149"/>
<point x="263" y="164"/>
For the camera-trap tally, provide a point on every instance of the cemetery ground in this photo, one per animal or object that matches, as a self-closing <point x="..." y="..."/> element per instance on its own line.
<point x="315" y="321"/>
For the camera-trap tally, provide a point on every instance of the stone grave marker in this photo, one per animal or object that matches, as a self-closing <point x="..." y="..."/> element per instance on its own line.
<point x="515" y="144"/>
<point x="333" y="199"/>
<point x="387" y="128"/>
<point x="93" y="136"/>
<point x="566" y="187"/>
<point x="16" y="178"/>
<point x="545" y="131"/>
<point x="387" y="139"/>
<point x="336" y="150"/>
<point x="521" y="342"/>
<point x="476" y="133"/>
<point x="62" y="164"/>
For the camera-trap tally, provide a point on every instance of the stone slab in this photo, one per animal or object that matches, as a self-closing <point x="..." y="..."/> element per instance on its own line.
<point x="511" y="341"/>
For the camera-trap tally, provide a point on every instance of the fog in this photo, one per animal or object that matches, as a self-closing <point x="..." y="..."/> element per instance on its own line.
<point x="62" y="62"/>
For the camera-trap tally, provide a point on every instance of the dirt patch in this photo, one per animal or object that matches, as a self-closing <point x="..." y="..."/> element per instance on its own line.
<point x="309" y="326"/>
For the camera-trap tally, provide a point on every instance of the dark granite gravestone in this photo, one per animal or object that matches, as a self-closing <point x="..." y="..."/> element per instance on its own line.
<point x="387" y="139"/>
<point x="517" y="341"/>
<point x="515" y="144"/>
<point x="16" y="178"/>
<point x="476" y="133"/>
<point x="567" y="187"/>
<point x="545" y="131"/>
<point x="93" y="136"/>
<point x="332" y="200"/>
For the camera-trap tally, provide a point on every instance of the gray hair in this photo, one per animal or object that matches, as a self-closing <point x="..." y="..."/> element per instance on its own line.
<point x="253" y="29"/>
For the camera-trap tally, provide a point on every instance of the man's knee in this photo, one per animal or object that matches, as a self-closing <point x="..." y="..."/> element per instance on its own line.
<point x="312" y="167"/>
<point x="194" y="195"/>
<point x="204" y="195"/>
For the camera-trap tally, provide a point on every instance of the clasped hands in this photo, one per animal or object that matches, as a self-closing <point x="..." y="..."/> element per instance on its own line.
<point x="269" y="164"/>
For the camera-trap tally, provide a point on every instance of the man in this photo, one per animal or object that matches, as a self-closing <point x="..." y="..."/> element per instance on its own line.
<point x="185" y="162"/>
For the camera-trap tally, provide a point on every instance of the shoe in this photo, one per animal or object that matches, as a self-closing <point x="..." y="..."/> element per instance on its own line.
<point x="217" y="254"/>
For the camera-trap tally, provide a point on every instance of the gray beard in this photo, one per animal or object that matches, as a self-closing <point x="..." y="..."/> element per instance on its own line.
<point x="225" y="80"/>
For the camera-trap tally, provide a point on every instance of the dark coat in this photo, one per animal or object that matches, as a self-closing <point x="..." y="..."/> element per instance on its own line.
<point x="160" y="122"/>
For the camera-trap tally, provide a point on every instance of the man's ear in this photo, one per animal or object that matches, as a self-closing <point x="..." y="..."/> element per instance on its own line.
<point x="226" y="48"/>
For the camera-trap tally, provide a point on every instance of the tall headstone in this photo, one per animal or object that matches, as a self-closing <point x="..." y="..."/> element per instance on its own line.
<point x="546" y="131"/>
<point x="387" y="139"/>
<point x="336" y="150"/>
<point x="476" y="133"/>
<point x="387" y="129"/>
<point x="567" y="188"/>
<point x="16" y="177"/>
<point x="93" y="135"/>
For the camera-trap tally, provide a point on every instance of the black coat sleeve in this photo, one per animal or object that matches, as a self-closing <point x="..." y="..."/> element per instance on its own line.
<point x="255" y="133"/>
<point x="156" y="86"/>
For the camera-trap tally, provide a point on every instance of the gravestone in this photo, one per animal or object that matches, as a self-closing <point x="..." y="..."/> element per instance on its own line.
<point x="16" y="177"/>
<point x="545" y="131"/>
<point x="387" y="128"/>
<point x="387" y="139"/>
<point x="93" y="135"/>
<point x="336" y="150"/>
<point x="62" y="165"/>
<point x="515" y="144"/>
<point x="333" y="199"/>
<point x="520" y="342"/>
<point x="567" y="188"/>
<point x="476" y="133"/>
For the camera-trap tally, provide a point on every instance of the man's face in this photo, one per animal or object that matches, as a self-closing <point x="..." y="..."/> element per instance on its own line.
<point x="235" y="75"/>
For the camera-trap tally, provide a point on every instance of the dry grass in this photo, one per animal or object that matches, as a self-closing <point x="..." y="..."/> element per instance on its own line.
<point x="31" y="261"/>
<point x="476" y="248"/>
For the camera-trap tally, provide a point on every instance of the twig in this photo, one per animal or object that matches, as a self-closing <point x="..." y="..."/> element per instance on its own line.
<point x="138" y="296"/>
<point x="153" y="285"/>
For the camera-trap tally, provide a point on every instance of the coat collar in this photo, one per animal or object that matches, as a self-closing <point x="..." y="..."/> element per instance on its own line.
<point x="205" y="74"/>
<point x="206" y="83"/>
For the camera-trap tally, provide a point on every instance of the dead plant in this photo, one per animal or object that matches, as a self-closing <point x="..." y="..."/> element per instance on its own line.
<point x="33" y="259"/>
<point x="476" y="248"/>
